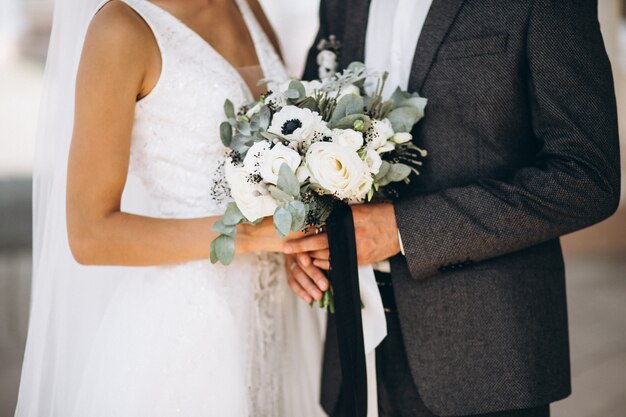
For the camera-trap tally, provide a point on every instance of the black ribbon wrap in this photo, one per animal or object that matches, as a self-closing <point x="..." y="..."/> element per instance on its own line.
<point x="344" y="277"/>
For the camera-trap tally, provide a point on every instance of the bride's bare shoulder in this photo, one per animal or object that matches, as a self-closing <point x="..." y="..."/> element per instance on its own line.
<point x="120" y="47"/>
<point x="118" y="27"/>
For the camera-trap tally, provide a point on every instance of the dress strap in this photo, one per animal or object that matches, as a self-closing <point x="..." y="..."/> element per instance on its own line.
<point x="270" y="61"/>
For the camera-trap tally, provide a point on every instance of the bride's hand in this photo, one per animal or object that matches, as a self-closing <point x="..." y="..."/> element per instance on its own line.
<point x="262" y="237"/>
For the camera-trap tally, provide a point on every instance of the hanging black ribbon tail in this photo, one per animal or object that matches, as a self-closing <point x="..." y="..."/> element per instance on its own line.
<point x="344" y="277"/>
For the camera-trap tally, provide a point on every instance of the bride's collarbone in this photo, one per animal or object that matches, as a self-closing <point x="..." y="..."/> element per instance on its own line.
<point x="220" y="24"/>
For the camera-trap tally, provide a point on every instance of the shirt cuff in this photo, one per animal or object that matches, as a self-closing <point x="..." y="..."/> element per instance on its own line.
<point x="401" y="245"/>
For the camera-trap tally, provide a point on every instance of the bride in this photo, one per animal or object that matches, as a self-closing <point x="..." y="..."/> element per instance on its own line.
<point x="128" y="316"/>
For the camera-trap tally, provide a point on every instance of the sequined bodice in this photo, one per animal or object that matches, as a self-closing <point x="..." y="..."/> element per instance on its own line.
<point x="176" y="148"/>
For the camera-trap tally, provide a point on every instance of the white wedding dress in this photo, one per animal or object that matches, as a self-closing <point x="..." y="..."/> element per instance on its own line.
<point x="194" y="339"/>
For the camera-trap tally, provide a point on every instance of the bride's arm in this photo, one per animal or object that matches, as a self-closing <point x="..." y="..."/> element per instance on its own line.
<point x="120" y="64"/>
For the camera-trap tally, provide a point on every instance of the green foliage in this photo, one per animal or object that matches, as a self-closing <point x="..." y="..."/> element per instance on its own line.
<point x="223" y="250"/>
<point x="265" y="116"/>
<point x="226" y="133"/>
<point x="233" y="215"/>
<point x="229" y="109"/>
<point x="282" y="221"/>
<point x="287" y="181"/>
<point x="349" y="122"/>
<point x="348" y="105"/>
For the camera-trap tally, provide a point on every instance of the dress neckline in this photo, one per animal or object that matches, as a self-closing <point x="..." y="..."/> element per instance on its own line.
<point x="214" y="51"/>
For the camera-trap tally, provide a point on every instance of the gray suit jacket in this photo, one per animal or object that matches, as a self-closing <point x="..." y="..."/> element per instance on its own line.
<point x="521" y="130"/>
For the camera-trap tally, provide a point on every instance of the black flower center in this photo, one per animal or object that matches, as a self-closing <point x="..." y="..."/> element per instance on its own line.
<point x="291" y="126"/>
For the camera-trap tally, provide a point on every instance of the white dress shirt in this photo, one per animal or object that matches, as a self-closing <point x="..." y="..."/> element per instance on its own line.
<point x="393" y="29"/>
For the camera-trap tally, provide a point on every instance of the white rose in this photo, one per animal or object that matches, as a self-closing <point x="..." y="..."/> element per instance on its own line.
<point x="363" y="189"/>
<point x="379" y="133"/>
<point x="275" y="158"/>
<point x="402" y="137"/>
<point x="255" y="157"/>
<point x="373" y="161"/>
<point x="296" y="124"/>
<point x="336" y="169"/>
<point x="253" y="199"/>
<point x="303" y="174"/>
<point x="348" y="138"/>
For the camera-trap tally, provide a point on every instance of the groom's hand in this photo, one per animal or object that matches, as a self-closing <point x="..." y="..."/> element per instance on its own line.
<point x="376" y="238"/>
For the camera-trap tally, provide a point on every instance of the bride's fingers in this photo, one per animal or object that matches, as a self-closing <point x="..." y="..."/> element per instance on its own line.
<point x="325" y="265"/>
<point x="322" y="255"/>
<point x="306" y="282"/>
<point x="317" y="276"/>
<point x="299" y="291"/>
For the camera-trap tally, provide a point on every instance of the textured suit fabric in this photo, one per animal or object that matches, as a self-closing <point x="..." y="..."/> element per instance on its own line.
<point x="397" y="394"/>
<point x="521" y="130"/>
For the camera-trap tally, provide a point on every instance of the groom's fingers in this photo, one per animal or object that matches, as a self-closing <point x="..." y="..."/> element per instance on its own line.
<point x="322" y="255"/>
<point x="303" y="259"/>
<point x="325" y="265"/>
<point x="307" y="244"/>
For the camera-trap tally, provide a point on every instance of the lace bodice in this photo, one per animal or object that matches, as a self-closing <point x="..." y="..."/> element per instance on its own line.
<point x="176" y="148"/>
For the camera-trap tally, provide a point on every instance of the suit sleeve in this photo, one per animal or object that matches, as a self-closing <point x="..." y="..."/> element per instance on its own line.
<point x="574" y="180"/>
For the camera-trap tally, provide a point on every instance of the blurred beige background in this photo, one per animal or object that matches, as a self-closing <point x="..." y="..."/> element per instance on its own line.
<point x="595" y="258"/>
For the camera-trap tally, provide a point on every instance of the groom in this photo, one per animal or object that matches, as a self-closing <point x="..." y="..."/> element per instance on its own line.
<point x="521" y="130"/>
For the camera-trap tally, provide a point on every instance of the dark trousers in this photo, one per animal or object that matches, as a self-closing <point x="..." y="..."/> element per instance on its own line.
<point x="397" y="393"/>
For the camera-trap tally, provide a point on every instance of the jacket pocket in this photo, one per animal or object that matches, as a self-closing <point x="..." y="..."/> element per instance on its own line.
<point x="490" y="45"/>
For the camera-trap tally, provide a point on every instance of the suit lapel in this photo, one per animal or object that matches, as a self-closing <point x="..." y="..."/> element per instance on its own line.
<point x="353" y="49"/>
<point x="440" y="18"/>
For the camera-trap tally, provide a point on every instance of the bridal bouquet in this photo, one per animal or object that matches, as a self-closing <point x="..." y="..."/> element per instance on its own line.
<point x="300" y="149"/>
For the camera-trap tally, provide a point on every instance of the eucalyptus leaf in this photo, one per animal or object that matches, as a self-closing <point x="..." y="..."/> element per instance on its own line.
<point x="399" y="96"/>
<point x="241" y="143"/>
<point x="282" y="221"/>
<point x="287" y="181"/>
<point x="292" y="94"/>
<point x="265" y="116"/>
<point x="226" y="133"/>
<point x="398" y="172"/>
<point x="223" y="249"/>
<point x="229" y="109"/>
<point x="348" y="122"/>
<point x="213" y="252"/>
<point x="279" y="194"/>
<point x="404" y="118"/>
<point x="298" y="215"/>
<point x="255" y="125"/>
<point x="233" y="215"/>
<point x="224" y="229"/>
<point x="299" y="87"/>
<point x="356" y="66"/>
<point x="417" y="102"/>
<point x="348" y="105"/>
<point x="309" y="103"/>
<point x="384" y="169"/>
<point x="244" y="127"/>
